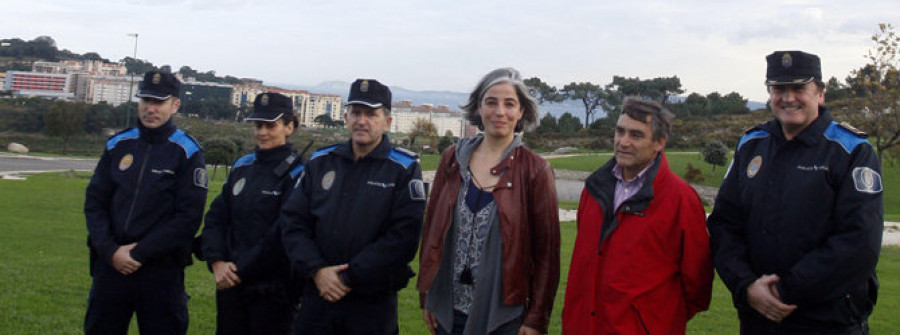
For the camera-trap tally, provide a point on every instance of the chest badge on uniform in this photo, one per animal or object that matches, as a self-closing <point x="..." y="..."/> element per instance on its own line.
<point x="753" y="167"/>
<point x="126" y="162"/>
<point x="867" y="180"/>
<point x="238" y="187"/>
<point x="328" y="180"/>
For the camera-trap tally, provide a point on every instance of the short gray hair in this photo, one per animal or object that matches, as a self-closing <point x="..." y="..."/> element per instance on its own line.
<point x="660" y="117"/>
<point x="510" y="76"/>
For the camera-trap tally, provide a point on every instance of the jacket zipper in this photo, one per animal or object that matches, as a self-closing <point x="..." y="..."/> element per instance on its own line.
<point x="137" y="190"/>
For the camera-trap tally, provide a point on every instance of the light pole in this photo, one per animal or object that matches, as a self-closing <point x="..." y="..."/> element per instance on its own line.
<point x="131" y="87"/>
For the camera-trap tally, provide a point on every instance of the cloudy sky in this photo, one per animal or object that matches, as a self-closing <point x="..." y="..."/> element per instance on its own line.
<point x="448" y="45"/>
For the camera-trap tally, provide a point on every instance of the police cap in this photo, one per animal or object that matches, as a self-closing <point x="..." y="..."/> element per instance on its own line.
<point x="792" y="67"/>
<point x="159" y="85"/>
<point x="269" y="107"/>
<point x="369" y="92"/>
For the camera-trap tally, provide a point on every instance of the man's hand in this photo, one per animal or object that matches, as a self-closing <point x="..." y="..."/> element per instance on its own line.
<point x="329" y="283"/>
<point x="122" y="261"/>
<point x="762" y="295"/>
<point x="430" y="321"/>
<point x="226" y="275"/>
<point x="525" y="330"/>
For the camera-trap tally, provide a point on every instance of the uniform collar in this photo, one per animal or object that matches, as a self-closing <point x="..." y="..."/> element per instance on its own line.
<point x="274" y="154"/>
<point x="159" y="134"/>
<point x="809" y="136"/>
<point x="380" y="152"/>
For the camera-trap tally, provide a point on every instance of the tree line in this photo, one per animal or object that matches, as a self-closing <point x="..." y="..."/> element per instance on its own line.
<point x="867" y="98"/>
<point x="608" y="98"/>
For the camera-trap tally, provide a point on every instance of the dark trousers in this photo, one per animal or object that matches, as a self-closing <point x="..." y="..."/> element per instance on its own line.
<point x="155" y="293"/>
<point x="241" y="311"/>
<point x="358" y="315"/>
<point x="459" y="325"/>
<point x="755" y="325"/>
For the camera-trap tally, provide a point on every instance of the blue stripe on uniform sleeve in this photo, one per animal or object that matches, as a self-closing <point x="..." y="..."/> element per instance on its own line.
<point x="322" y="152"/>
<point x="401" y="158"/>
<point x="245" y="160"/>
<point x="751" y="136"/>
<point x="130" y="134"/>
<point x="186" y="142"/>
<point x="296" y="170"/>
<point x="848" y="140"/>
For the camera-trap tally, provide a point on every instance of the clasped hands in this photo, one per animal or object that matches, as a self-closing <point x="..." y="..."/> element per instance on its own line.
<point x="328" y="282"/>
<point x="763" y="296"/>
<point x="121" y="260"/>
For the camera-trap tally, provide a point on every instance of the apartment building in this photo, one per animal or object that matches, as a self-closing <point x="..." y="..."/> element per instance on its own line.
<point x="34" y="84"/>
<point x="444" y="119"/>
<point x="331" y="104"/>
<point x="114" y="90"/>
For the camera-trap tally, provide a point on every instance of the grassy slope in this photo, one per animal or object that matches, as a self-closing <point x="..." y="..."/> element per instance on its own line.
<point x="45" y="282"/>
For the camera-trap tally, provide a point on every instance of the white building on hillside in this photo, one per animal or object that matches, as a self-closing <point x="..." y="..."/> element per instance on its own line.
<point x="405" y="116"/>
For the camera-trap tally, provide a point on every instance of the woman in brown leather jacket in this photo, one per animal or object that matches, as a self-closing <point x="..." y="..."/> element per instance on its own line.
<point x="494" y="215"/>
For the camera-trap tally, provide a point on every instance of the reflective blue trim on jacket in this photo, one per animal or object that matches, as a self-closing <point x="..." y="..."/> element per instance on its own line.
<point x="401" y="158"/>
<point x="323" y="151"/>
<point x="847" y="139"/>
<point x="244" y="160"/>
<point x="186" y="142"/>
<point x="752" y="135"/>
<point x="295" y="172"/>
<point x="129" y="134"/>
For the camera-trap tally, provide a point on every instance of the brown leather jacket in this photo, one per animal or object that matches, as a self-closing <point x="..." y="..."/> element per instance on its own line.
<point x="529" y="228"/>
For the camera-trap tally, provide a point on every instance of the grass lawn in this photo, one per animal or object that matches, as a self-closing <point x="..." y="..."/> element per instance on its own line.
<point x="45" y="281"/>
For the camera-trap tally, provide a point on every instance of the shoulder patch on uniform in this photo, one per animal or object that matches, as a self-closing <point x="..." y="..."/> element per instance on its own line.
<point x="403" y="157"/>
<point x="185" y="141"/>
<point x="323" y="151"/>
<point x="128" y="134"/>
<point x="758" y="126"/>
<point x="244" y="160"/>
<point x="846" y="138"/>
<point x="411" y="153"/>
<point x="853" y="129"/>
<point x="752" y="135"/>
<point x="867" y="180"/>
<point x="295" y="172"/>
<point x="417" y="189"/>
<point x="201" y="179"/>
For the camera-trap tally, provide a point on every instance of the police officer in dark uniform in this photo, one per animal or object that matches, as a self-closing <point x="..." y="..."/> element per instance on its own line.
<point x="143" y="206"/>
<point x="241" y="242"/>
<point x="352" y="224"/>
<point x="797" y="224"/>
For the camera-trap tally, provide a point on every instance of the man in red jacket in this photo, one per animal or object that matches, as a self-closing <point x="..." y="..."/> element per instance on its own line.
<point x="641" y="263"/>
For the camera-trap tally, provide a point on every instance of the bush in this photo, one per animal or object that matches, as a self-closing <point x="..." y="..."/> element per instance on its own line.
<point x="693" y="175"/>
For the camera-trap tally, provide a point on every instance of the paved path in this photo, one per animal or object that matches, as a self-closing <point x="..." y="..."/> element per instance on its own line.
<point x="12" y="165"/>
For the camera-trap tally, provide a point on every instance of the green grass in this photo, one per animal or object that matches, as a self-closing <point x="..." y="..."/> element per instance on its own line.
<point x="678" y="162"/>
<point x="45" y="280"/>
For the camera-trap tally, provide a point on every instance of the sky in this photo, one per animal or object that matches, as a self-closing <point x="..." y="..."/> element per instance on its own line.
<point x="712" y="46"/>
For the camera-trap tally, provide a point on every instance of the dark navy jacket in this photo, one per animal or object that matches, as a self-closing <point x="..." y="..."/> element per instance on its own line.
<point x="240" y="224"/>
<point x="149" y="187"/>
<point x="367" y="213"/>
<point x="809" y="210"/>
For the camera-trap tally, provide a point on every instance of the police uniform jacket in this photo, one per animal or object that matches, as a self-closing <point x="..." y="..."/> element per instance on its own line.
<point x="367" y="213"/>
<point x="149" y="187"/>
<point x="810" y="211"/>
<point x="240" y="224"/>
